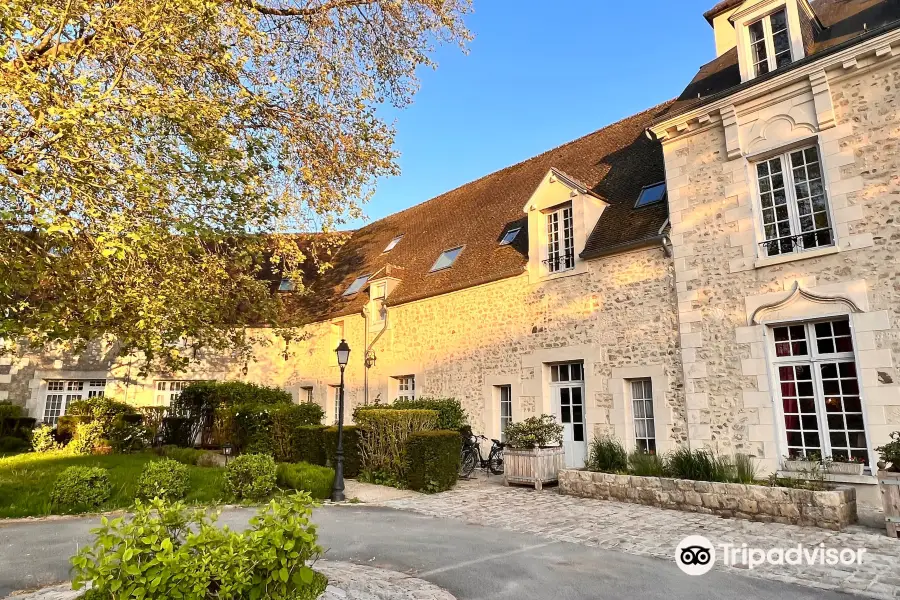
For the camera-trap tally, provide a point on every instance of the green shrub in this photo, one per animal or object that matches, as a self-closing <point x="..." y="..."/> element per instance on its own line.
<point x="432" y="460"/>
<point x="607" y="455"/>
<point x="102" y="410"/>
<point x="164" y="478"/>
<point x="186" y="456"/>
<point x="304" y="477"/>
<point x="352" y="460"/>
<point x="646" y="464"/>
<point x="745" y="470"/>
<point x="178" y="431"/>
<point x="166" y="551"/>
<point x="383" y="435"/>
<point x="81" y="488"/>
<point x="9" y="443"/>
<point x="535" y="432"/>
<point x="250" y="476"/>
<point x="284" y="423"/>
<point x="42" y="439"/>
<point x="890" y="453"/>
<point x="67" y="424"/>
<point x="88" y="437"/>
<point x="700" y="465"/>
<point x="152" y="420"/>
<point x="127" y="436"/>
<point x="9" y="415"/>
<point x="451" y="414"/>
<point x="309" y="446"/>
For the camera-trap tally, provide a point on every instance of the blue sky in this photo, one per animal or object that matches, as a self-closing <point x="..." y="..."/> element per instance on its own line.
<point x="537" y="75"/>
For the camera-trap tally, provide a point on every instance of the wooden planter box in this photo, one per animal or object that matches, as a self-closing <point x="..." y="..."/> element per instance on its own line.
<point x="889" y="484"/>
<point x="837" y="468"/>
<point x="533" y="467"/>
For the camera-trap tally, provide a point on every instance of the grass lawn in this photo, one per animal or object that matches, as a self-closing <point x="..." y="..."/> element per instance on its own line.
<point x="26" y="481"/>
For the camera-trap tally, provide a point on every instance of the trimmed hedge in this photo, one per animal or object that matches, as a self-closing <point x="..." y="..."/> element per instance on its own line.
<point x="9" y="443"/>
<point x="383" y="435"/>
<point x="250" y="476"/>
<point x="284" y="422"/>
<point x="79" y="488"/>
<point x="309" y="445"/>
<point x="305" y="477"/>
<point x="432" y="460"/>
<point x="451" y="414"/>
<point x="166" y="478"/>
<point x="352" y="459"/>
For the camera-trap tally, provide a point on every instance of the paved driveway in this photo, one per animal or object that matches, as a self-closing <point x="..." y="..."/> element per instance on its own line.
<point x="471" y="561"/>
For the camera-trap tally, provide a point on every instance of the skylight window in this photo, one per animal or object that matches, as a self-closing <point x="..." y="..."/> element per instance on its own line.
<point x="510" y="236"/>
<point x="357" y="285"/>
<point x="286" y="285"/>
<point x="651" y="194"/>
<point x="393" y="243"/>
<point x="446" y="259"/>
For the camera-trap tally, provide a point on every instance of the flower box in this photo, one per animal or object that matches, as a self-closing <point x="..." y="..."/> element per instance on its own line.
<point x="802" y="466"/>
<point x="535" y="466"/>
<point x="845" y="468"/>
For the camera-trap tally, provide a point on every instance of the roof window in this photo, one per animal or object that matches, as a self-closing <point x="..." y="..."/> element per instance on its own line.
<point x="510" y="236"/>
<point x="393" y="243"/>
<point x="357" y="285"/>
<point x="651" y="194"/>
<point x="446" y="259"/>
<point x="286" y="285"/>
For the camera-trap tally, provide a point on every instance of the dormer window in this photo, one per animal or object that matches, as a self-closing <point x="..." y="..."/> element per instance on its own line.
<point x="560" y="239"/>
<point x="357" y="285"/>
<point x="770" y="43"/>
<point x="393" y="243"/>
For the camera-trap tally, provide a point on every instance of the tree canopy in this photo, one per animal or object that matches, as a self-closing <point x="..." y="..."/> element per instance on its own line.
<point x="157" y="159"/>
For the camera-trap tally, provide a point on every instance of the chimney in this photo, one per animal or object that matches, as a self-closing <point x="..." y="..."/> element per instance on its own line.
<point x="718" y="18"/>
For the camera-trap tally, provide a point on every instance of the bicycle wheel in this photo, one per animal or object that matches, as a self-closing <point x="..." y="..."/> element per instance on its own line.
<point x="495" y="462"/>
<point x="467" y="464"/>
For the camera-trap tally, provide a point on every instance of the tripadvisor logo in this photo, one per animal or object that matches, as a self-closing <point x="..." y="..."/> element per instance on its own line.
<point x="695" y="555"/>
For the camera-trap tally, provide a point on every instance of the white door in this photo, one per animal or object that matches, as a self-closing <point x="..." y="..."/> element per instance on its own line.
<point x="567" y="384"/>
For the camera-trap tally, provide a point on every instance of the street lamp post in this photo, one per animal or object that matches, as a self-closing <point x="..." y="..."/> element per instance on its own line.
<point x="337" y="492"/>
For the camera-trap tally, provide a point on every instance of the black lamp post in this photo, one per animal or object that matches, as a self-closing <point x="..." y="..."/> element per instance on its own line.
<point x="337" y="492"/>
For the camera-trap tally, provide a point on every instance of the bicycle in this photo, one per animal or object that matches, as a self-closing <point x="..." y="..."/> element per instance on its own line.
<point x="470" y="456"/>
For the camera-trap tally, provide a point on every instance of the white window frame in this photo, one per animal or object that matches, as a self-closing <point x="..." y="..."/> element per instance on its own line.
<point x="406" y="387"/>
<point x="814" y="359"/>
<point x="378" y="293"/>
<point x="306" y="394"/>
<point x="560" y="249"/>
<point x="650" y="442"/>
<point x="791" y="197"/>
<point x="66" y="391"/>
<point x="173" y="388"/>
<point x="771" y="61"/>
<point x="504" y="401"/>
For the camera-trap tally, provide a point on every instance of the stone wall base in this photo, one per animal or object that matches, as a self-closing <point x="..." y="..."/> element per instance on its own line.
<point x="832" y="509"/>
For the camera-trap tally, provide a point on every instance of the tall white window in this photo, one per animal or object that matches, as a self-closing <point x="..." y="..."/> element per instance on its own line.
<point x="770" y="43"/>
<point x="336" y="395"/>
<point x="793" y="205"/>
<point x="377" y="307"/>
<point x="60" y="393"/>
<point x="560" y="240"/>
<point x="167" y="391"/>
<point x="819" y="388"/>
<point x="406" y="387"/>
<point x="642" y="411"/>
<point x="504" y="393"/>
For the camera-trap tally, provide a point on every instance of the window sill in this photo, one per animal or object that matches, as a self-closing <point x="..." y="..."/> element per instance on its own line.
<point x="578" y="269"/>
<point x="786" y="258"/>
<point x="852" y="479"/>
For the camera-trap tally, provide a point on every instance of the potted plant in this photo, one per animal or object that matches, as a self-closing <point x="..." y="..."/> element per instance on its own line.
<point x="889" y="483"/>
<point x="845" y="465"/>
<point x="797" y="462"/>
<point x="534" y="453"/>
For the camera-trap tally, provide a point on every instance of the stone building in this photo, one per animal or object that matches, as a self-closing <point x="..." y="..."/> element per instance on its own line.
<point x="715" y="271"/>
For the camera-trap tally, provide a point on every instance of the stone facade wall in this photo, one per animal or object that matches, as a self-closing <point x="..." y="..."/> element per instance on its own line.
<point x="835" y="509"/>
<point x="850" y="111"/>
<point x="619" y="313"/>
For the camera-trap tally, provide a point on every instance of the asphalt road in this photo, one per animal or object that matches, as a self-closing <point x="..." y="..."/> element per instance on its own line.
<point x="472" y="562"/>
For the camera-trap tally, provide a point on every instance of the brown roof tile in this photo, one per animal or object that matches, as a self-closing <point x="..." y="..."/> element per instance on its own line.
<point x="614" y="163"/>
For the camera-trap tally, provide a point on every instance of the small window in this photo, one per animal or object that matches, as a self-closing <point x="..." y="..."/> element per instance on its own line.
<point x="393" y="243"/>
<point x="644" y="421"/>
<point x="336" y="394"/>
<point x="406" y="387"/>
<point x="651" y="194"/>
<point x="357" y="285"/>
<point x="505" y="394"/>
<point x="286" y="285"/>
<point x="446" y="259"/>
<point x="306" y="394"/>
<point x="770" y="43"/>
<point x="510" y="236"/>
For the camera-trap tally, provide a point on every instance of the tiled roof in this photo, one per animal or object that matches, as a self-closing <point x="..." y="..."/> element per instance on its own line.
<point x="843" y="21"/>
<point x="614" y="163"/>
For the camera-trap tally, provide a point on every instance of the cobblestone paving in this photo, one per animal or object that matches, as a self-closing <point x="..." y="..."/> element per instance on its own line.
<point x="648" y="531"/>
<point x="345" y="582"/>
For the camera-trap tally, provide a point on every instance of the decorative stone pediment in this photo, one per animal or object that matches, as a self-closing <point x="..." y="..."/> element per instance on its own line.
<point x="802" y="303"/>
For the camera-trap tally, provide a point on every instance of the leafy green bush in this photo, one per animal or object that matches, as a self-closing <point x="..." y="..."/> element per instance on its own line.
<point x="9" y="443"/>
<point x="42" y="439"/>
<point x="250" y="476"/>
<point x="166" y="551"/>
<point x="152" y="419"/>
<point x="383" y="435"/>
<point x="164" y="478"/>
<point x="646" y="464"/>
<point x="432" y="460"/>
<point x="178" y="431"/>
<point x="67" y="424"/>
<point x="607" y="455"/>
<point x="451" y="414"/>
<point x="81" y="488"/>
<point x="304" y="477"/>
<point x="88" y="437"/>
<point x="309" y="445"/>
<point x="535" y="432"/>
<point x="890" y="453"/>
<point x="127" y="436"/>
<point x="284" y="422"/>
<point x="102" y="410"/>
<point x="186" y="456"/>
<point x="9" y="415"/>
<point x="700" y="465"/>
<point x="352" y="460"/>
